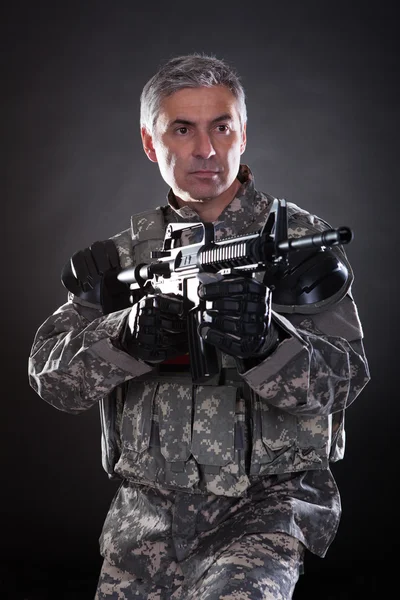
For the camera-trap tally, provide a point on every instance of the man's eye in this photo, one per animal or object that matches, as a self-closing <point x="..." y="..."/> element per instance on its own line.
<point x="182" y="130"/>
<point x="222" y="128"/>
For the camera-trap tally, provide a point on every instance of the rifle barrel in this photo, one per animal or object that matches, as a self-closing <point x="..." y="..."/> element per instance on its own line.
<point x="330" y="237"/>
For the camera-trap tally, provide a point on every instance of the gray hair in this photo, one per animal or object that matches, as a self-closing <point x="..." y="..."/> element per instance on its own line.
<point x="190" y="71"/>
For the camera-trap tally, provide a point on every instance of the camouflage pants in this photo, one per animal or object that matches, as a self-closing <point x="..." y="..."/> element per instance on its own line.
<point x="256" y="567"/>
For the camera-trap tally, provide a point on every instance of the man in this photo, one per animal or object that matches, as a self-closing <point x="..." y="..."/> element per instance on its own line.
<point x="224" y="484"/>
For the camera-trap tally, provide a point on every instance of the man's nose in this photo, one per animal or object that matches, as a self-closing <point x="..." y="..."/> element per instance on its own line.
<point x="203" y="147"/>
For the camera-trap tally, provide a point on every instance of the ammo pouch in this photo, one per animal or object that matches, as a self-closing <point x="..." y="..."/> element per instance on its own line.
<point x="212" y="439"/>
<point x="185" y="437"/>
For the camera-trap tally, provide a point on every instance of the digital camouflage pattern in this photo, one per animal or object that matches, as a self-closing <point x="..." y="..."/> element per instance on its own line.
<point x="204" y="465"/>
<point x="147" y="527"/>
<point x="255" y="567"/>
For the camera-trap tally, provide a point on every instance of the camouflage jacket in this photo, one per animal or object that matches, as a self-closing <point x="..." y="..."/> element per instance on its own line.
<point x="284" y="415"/>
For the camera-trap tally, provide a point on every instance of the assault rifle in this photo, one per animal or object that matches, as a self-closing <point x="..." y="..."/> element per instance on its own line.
<point x="177" y="265"/>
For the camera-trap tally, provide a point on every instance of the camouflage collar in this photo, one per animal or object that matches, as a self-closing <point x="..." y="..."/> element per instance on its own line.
<point x="239" y="213"/>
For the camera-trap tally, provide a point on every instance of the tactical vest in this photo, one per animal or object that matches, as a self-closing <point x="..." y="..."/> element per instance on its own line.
<point x="164" y="431"/>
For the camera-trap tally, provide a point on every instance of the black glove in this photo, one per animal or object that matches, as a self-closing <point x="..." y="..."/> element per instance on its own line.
<point x="92" y="273"/>
<point x="156" y="329"/>
<point x="238" y="315"/>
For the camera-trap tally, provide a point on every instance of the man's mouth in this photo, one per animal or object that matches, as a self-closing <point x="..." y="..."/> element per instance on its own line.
<point x="204" y="172"/>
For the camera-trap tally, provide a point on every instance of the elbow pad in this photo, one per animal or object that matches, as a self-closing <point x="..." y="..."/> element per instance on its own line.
<point x="312" y="281"/>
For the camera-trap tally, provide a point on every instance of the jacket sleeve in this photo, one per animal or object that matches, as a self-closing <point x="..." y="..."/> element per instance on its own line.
<point x="75" y="359"/>
<point x="320" y="366"/>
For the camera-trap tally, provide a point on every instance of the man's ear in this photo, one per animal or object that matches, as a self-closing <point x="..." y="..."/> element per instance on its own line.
<point x="243" y="140"/>
<point x="148" y="147"/>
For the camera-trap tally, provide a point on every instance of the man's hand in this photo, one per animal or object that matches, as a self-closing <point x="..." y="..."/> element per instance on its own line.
<point x="238" y="315"/>
<point x="92" y="273"/>
<point x="157" y="328"/>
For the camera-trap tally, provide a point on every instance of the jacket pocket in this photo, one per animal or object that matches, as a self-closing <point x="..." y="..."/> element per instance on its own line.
<point x="274" y="438"/>
<point x="174" y="424"/>
<point x="219" y="439"/>
<point x="156" y="435"/>
<point x="283" y="442"/>
<point x="137" y="461"/>
<point x="313" y="442"/>
<point x="213" y="425"/>
<point x="137" y="416"/>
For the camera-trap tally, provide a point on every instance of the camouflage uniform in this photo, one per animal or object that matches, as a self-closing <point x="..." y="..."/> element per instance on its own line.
<point x="222" y="483"/>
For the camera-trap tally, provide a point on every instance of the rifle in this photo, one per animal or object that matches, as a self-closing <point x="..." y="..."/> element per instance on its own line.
<point x="177" y="265"/>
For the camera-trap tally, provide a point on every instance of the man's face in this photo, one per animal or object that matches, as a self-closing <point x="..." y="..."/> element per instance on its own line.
<point x="197" y="142"/>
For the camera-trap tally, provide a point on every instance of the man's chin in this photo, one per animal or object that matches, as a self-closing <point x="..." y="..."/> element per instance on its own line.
<point x="204" y="191"/>
<point x="201" y="196"/>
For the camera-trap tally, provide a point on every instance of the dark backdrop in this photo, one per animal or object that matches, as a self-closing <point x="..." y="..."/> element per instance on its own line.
<point x="322" y="132"/>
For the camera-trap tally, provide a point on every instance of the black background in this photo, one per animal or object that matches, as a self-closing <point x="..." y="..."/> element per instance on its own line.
<point x="321" y="83"/>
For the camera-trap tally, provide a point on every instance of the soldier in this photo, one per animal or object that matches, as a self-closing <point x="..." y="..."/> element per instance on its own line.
<point x="224" y="485"/>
